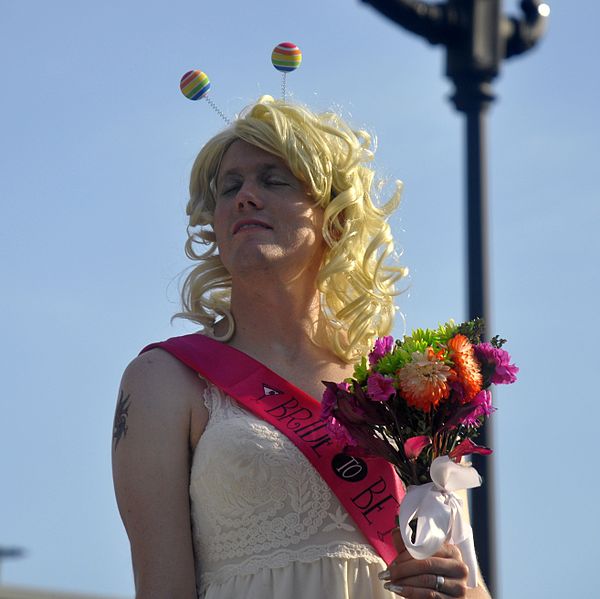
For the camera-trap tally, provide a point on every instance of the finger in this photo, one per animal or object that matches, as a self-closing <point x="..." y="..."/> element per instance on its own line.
<point x="449" y="550"/>
<point x="446" y="550"/>
<point x="442" y="566"/>
<point x="403" y="554"/>
<point x="432" y="583"/>
<point x="408" y="592"/>
<point x="395" y="588"/>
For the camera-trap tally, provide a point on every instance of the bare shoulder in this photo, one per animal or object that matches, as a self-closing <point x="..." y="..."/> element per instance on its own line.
<point x="161" y="389"/>
<point x="157" y="370"/>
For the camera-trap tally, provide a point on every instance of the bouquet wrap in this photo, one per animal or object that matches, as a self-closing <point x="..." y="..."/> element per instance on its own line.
<point x="439" y="515"/>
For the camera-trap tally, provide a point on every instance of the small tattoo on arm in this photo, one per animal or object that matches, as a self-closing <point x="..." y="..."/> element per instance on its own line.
<point x="120" y="424"/>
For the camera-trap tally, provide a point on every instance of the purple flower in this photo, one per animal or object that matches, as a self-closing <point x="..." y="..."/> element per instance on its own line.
<point x="349" y="409"/>
<point x="483" y="400"/>
<point x="383" y="346"/>
<point x="340" y="433"/>
<point x="481" y="406"/>
<point x="379" y="387"/>
<point x="329" y="400"/>
<point x="496" y="364"/>
<point x="328" y="403"/>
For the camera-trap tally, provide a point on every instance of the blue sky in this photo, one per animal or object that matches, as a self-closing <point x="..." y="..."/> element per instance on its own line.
<point x="96" y="143"/>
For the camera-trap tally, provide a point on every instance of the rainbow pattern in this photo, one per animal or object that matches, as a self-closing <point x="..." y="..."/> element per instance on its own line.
<point x="286" y="57"/>
<point x="194" y="85"/>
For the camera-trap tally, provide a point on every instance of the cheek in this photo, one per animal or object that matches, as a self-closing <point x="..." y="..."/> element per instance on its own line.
<point x="219" y="223"/>
<point x="306" y="224"/>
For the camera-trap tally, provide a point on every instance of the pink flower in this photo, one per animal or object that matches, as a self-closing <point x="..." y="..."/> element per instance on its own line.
<point x="482" y="406"/>
<point x="465" y="447"/>
<point x="415" y="445"/>
<point x="379" y="387"/>
<point x="383" y="346"/>
<point x="496" y="364"/>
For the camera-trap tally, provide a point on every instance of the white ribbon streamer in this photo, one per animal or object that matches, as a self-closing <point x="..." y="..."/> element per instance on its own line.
<point x="439" y="515"/>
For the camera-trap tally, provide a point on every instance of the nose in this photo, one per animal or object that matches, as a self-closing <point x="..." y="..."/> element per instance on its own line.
<point x="249" y="197"/>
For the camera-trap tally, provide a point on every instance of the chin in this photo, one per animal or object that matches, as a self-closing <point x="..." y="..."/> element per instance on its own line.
<point x="254" y="256"/>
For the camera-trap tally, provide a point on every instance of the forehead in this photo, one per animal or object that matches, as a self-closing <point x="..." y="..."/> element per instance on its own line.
<point x="242" y="156"/>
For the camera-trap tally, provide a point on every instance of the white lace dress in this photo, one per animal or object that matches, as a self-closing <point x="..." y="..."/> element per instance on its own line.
<point x="265" y="524"/>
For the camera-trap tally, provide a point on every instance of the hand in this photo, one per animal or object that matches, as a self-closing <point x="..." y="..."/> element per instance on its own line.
<point x="441" y="576"/>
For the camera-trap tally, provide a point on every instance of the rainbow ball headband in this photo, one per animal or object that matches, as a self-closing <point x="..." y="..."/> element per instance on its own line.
<point x="195" y="85"/>
<point x="286" y="57"/>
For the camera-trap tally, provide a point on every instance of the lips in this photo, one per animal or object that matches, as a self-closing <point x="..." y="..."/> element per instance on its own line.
<point x="250" y="223"/>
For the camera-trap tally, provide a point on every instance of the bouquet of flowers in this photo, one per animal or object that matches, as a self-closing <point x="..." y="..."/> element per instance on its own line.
<point x="419" y="403"/>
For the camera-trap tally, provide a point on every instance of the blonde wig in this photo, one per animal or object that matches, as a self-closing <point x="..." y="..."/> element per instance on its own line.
<point x="355" y="282"/>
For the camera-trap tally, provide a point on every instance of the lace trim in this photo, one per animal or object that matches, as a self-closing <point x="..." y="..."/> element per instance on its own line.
<point x="282" y="558"/>
<point x="220" y="406"/>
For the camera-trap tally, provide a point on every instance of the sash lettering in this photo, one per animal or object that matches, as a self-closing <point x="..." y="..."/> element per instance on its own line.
<point x="371" y="498"/>
<point x="294" y="417"/>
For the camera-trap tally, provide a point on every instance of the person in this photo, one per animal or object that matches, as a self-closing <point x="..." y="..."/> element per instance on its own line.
<point x="292" y="269"/>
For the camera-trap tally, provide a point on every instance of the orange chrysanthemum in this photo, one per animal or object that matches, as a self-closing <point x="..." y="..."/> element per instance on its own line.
<point x="424" y="381"/>
<point x="466" y="367"/>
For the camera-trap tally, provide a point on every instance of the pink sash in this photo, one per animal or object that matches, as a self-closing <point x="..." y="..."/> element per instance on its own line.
<point x="369" y="489"/>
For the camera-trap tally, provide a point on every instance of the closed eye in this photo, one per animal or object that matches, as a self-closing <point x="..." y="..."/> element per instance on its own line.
<point x="229" y="189"/>
<point x="275" y="178"/>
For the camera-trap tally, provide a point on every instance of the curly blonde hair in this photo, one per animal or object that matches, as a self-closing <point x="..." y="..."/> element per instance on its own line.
<point x="356" y="283"/>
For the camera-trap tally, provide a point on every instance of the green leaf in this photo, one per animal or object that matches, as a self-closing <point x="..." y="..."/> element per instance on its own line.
<point x="361" y="371"/>
<point x="497" y="342"/>
<point x="472" y="329"/>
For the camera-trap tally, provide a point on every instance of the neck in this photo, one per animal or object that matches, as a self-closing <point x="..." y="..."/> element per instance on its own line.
<point x="277" y="319"/>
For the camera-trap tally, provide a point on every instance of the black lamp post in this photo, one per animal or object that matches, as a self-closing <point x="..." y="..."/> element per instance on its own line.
<point x="477" y="37"/>
<point x="10" y="552"/>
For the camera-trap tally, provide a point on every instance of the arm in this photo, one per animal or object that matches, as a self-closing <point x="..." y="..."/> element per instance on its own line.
<point x="416" y="579"/>
<point x="159" y="400"/>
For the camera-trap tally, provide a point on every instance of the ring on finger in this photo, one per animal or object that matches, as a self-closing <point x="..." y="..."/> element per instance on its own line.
<point x="439" y="582"/>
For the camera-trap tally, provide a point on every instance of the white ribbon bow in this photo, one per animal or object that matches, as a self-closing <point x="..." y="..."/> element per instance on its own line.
<point x="438" y="512"/>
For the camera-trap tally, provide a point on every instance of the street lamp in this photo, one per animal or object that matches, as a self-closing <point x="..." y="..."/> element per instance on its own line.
<point x="10" y="552"/>
<point x="477" y="37"/>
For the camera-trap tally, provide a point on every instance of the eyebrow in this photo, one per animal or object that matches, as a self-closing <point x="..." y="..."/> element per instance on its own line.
<point x="264" y="168"/>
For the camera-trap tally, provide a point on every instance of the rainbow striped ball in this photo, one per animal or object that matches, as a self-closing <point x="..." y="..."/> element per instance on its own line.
<point x="286" y="57"/>
<point x="194" y="85"/>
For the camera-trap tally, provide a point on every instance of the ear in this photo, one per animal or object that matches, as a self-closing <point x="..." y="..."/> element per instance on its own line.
<point x="336" y="227"/>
